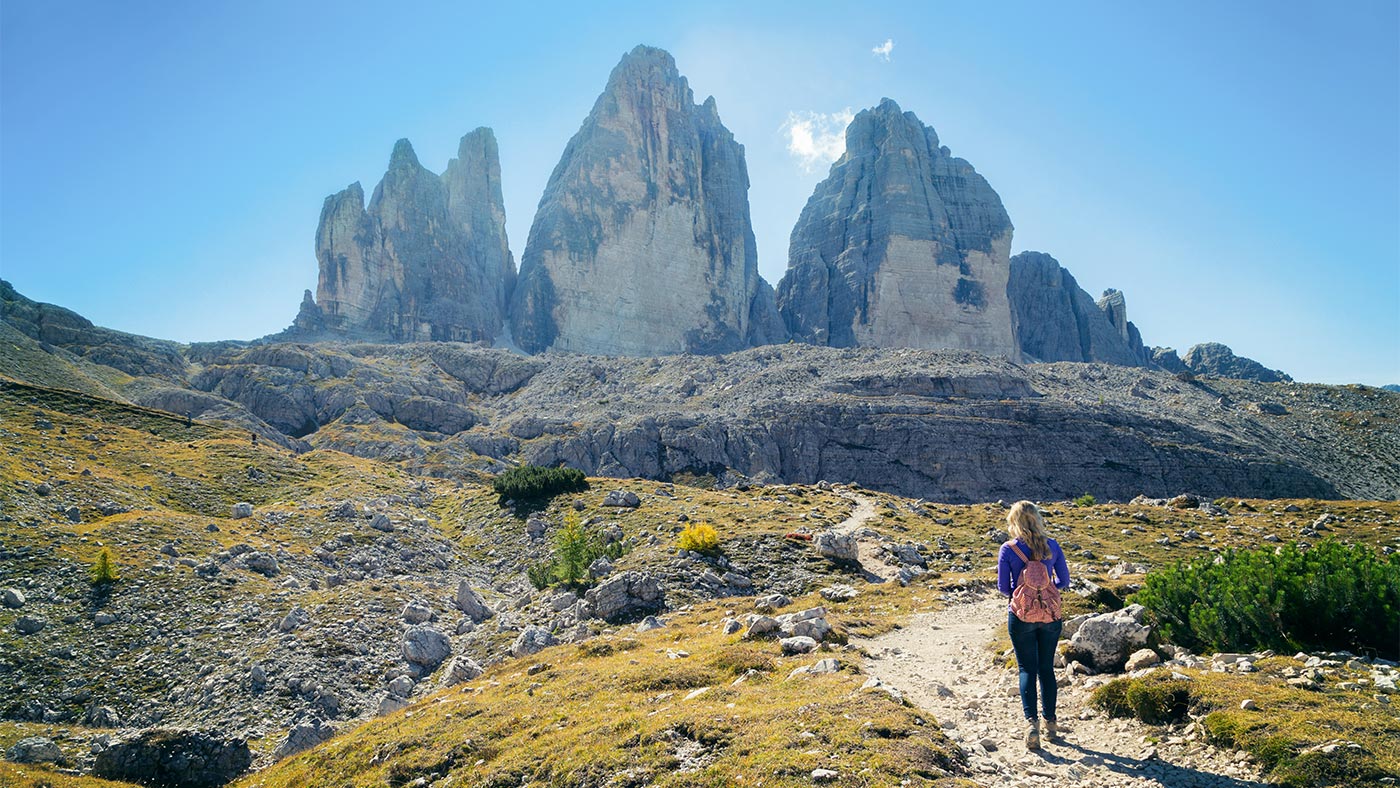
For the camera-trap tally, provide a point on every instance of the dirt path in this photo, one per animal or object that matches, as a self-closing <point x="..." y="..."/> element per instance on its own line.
<point x="940" y="661"/>
<point x="877" y="571"/>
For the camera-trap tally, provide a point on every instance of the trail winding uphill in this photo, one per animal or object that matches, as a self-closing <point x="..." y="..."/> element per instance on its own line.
<point x="941" y="663"/>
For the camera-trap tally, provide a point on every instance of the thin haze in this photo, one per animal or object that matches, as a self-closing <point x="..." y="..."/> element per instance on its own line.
<point x="1233" y="168"/>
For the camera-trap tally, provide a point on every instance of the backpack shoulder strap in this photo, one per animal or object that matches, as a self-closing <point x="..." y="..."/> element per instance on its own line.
<point x="1012" y="544"/>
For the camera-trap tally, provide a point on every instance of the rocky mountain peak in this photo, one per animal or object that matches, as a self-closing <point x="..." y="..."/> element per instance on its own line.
<point x="902" y="245"/>
<point x="403" y="157"/>
<point x="427" y="259"/>
<point x="642" y="244"/>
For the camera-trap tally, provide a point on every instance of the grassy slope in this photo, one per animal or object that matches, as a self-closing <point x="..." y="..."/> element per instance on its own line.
<point x="179" y="478"/>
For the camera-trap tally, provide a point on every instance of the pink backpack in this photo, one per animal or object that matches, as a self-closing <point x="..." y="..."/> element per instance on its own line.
<point x="1036" y="599"/>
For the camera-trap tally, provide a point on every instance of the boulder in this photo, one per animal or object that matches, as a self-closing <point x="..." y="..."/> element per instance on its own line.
<point x="838" y="547"/>
<point x="242" y="510"/>
<point x="381" y="522"/>
<point x="625" y="596"/>
<point x="169" y="757"/>
<point x="462" y="668"/>
<point x="839" y="593"/>
<point x="622" y="498"/>
<point x="35" y="749"/>
<point x="1104" y="642"/>
<point x="416" y="612"/>
<point x="1142" y="658"/>
<point x="30" y="625"/>
<point x="771" y="602"/>
<point x="262" y="563"/>
<point x="303" y="736"/>
<point x="470" y="602"/>
<point x="532" y="640"/>
<point x="799" y="644"/>
<point x="12" y="598"/>
<point x="425" y="647"/>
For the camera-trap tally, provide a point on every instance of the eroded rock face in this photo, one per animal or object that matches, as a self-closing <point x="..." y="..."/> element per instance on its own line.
<point x="1055" y="320"/>
<point x="642" y="244"/>
<point x="902" y="245"/>
<point x="1213" y="358"/>
<point x="428" y="258"/>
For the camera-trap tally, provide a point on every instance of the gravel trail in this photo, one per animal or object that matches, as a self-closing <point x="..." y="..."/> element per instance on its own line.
<point x="942" y="663"/>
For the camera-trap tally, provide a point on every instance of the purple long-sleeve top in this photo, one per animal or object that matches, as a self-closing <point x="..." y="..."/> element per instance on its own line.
<point x="1009" y="566"/>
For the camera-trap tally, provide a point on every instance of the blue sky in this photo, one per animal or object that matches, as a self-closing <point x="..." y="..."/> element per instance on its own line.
<point x="1234" y="168"/>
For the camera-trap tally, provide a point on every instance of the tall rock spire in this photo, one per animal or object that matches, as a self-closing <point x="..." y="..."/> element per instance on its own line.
<point x="902" y="245"/>
<point x="426" y="259"/>
<point x="642" y="243"/>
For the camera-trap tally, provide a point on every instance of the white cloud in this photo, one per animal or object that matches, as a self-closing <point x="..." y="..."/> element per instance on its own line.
<point x="883" y="51"/>
<point x="817" y="138"/>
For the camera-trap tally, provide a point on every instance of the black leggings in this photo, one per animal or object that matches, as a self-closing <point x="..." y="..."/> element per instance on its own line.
<point x="1034" y="644"/>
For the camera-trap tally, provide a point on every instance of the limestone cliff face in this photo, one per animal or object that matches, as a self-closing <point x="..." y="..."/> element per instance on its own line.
<point x="902" y="245"/>
<point x="427" y="259"/>
<point x="1056" y="320"/>
<point x="642" y="244"/>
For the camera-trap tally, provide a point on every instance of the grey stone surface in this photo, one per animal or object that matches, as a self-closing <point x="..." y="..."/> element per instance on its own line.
<point x="427" y="259"/>
<point x="1056" y="320"/>
<point x="902" y="245"/>
<point x="642" y="244"/>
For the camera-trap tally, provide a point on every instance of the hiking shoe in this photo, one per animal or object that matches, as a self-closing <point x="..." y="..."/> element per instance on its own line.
<point x="1033" y="737"/>
<point x="1052" y="729"/>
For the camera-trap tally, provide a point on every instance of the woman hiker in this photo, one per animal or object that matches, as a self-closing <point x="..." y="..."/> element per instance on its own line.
<point x="1031" y="570"/>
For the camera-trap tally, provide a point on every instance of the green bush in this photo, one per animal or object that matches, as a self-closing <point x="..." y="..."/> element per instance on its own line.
<point x="574" y="549"/>
<point x="1330" y="597"/>
<point x="1085" y="500"/>
<point x="104" y="570"/>
<point x="535" y="483"/>
<point x="1155" y="699"/>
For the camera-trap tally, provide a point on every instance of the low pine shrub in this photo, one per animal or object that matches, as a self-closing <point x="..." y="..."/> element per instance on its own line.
<point x="1330" y="597"/>
<point x="528" y="483"/>
<point x="1085" y="500"/>
<point x="700" y="538"/>
<point x="104" y="569"/>
<point x="1155" y="699"/>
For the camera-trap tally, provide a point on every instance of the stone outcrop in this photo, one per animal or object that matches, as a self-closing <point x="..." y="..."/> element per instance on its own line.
<point x="160" y="756"/>
<point x="1056" y="320"/>
<point x="625" y="596"/>
<point x="902" y="245"/>
<point x="642" y="244"/>
<point x="1213" y="358"/>
<point x="427" y="259"/>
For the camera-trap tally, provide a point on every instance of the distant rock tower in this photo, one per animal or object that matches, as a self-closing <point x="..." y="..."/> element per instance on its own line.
<point x="642" y="244"/>
<point x="428" y="259"/>
<point x="902" y="245"/>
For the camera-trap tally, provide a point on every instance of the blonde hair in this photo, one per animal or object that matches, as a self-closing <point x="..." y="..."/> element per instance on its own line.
<point x="1025" y="523"/>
